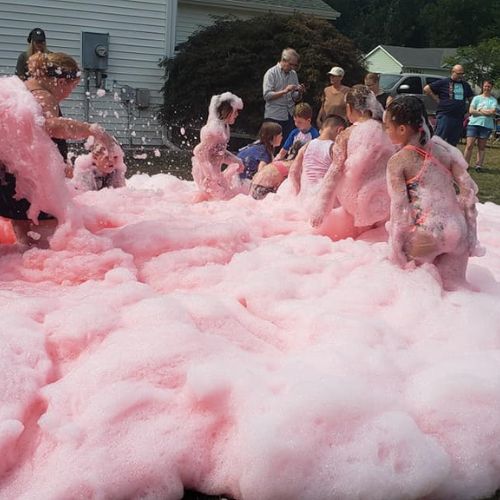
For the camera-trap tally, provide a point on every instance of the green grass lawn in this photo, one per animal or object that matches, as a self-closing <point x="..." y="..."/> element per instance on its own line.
<point x="488" y="180"/>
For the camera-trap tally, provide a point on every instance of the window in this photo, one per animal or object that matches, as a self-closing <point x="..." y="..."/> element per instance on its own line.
<point x="411" y="85"/>
<point x="431" y="79"/>
<point x="388" y="81"/>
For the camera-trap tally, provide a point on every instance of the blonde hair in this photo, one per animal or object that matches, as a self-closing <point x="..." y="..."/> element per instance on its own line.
<point x="31" y="48"/>
<point x="53" y="64"/>
<point x="303" y="110"/>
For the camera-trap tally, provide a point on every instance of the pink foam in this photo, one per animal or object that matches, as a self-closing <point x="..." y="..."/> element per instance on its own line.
<point x="223" y="346"/>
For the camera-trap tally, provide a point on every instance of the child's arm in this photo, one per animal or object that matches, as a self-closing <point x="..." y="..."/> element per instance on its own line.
<point x="399" y="223"/>
<point x="261" y="164"/>
<point x="287" y="145"/>
<point x="295" y="171"/>
<point x="230" y="158"/>
<point x="282" y="154"/>
<point x="466" y="197"/>
<point x="326" y="196"/>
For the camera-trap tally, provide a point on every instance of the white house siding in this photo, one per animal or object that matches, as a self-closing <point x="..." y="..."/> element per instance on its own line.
<point x="139" y="37"/>
<point x="191" y="18"/>
<point x="380" y="62"/>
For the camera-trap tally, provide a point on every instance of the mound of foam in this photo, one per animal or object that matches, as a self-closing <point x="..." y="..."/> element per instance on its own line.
<point x="224" y="347"/>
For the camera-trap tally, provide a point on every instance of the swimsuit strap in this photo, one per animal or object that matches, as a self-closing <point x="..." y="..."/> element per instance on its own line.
<point x="426" y="155"/>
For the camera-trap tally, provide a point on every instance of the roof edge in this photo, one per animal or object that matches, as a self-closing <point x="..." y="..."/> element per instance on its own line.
<point x="328" y="13"/>
<point x="388" y="53"/>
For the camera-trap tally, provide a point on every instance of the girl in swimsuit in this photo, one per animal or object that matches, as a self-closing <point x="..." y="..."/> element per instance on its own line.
<point x="211" y="153"/>
<point x="352" y="197"/>
<point x="429" y="222"/>
<point x="53" y="76"/>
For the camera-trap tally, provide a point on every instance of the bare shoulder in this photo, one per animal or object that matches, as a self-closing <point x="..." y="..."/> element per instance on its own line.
<point x="343" y="137"/>
<point x="398" y="161"/>
<point x="46" y="100"/>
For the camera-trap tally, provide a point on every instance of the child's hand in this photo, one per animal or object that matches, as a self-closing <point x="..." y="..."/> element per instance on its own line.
<point x="316" y="219"/>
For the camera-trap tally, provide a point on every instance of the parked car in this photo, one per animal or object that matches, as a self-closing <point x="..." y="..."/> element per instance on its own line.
<point x="410" y="84"/>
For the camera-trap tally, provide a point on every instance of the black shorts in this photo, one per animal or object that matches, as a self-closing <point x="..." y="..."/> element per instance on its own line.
<point x="11" y="208"/>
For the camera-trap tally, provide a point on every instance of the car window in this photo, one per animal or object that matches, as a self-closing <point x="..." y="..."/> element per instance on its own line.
<point x="431" y="79"/>
<point x="387" y="81"/>
<point x="410" y="85"/>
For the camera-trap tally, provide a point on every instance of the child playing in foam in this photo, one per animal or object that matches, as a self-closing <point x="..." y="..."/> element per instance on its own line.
<point x="261" y="152"/>
<point x="270" y="177"/>
<point x="97" y="170"/>
<point x="429" y="222"/>
<point x="33" y="193"/>
<point x="315" y="158"/>
<point x="304" y="131"/>
<point x="211" y="153"/>
<point x="355" y="183"/>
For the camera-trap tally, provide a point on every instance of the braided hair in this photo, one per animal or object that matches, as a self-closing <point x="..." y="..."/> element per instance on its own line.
<point x="410" y="110"/>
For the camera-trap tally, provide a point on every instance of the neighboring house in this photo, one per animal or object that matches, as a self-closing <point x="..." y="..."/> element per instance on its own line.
<point x="140" y="33"/>
<point x="395" y="60"/>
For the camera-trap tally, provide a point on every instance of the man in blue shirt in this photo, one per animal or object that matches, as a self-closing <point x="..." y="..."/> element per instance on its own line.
<point x="452" y="95"/>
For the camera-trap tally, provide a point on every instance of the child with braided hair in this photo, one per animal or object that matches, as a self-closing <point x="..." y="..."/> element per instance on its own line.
<point x="429" y="221"/>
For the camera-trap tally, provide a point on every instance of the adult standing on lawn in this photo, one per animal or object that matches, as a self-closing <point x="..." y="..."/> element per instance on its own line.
<point x="36" y="43"/>
<point x="281" y="90"/>
<point x="333" y="98"/>
<point x="482" y="113"/>
<point x="452" y="95"/>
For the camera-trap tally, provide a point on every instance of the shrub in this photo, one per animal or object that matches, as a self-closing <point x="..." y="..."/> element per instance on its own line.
<point x="234" y="54"/>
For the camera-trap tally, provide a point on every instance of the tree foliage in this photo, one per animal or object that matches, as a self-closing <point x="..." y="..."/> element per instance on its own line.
<point x="407" y="23"/>
<point x="480" y="62"/>
<point x="234" y="54"/>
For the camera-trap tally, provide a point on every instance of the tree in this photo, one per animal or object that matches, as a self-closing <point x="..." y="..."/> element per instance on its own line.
<point x="234" y="54"/>
<point x="457" y="23"/>
<point x="480" y="62"/>
<point x="381" y="22"/>
<point x="428" y="23"/>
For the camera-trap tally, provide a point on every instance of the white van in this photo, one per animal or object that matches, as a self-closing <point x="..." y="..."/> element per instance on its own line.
<point x="410" y="84"/>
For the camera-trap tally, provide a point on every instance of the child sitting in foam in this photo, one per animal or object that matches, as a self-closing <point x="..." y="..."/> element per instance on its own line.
<point x="211" y="153"/>
<point x="270" y="177"/>
<point x="315" y="158"/>
<point x="355" y="185"/>
<point x="260" y="152"/>
<point x="304" y="131"/>
<point x="97" y="170"/>
<point x="429" y="222"/>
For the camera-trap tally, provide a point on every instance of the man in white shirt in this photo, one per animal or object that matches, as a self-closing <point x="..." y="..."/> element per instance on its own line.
<point x="281" y="90"/>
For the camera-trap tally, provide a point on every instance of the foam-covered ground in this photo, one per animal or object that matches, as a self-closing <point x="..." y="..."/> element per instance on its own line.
<point x="226" y="348"/>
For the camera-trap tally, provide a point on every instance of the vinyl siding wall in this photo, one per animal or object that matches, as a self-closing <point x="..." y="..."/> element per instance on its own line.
<point x="138" y="40"/>
<point x="380" y="62"/>
<point x="191" y="18"/>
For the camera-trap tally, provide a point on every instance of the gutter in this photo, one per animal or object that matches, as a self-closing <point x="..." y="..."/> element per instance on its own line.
<point x="260" y="8"/>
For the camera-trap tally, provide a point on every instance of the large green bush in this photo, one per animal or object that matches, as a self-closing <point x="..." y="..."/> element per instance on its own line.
<point x="234" y="54"/>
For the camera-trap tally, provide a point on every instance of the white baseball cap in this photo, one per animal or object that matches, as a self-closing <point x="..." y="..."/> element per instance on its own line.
<point x="336" y="71"/>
